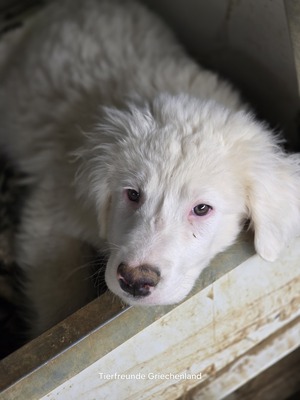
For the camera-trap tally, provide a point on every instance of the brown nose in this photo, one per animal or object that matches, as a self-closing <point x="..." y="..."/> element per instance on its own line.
<point x="138" y="281"/>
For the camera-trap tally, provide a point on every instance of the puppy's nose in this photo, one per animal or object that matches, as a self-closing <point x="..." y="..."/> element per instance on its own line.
<point x="138" y="281"/>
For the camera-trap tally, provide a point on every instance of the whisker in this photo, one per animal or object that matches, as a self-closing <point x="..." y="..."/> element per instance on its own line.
<point x="75" y="270"/>
<point x="110" y="247"/>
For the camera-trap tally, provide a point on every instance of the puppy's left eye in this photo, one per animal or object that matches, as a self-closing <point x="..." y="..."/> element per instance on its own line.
<point x="201" y="209"/>
<point x="133" y="195"/>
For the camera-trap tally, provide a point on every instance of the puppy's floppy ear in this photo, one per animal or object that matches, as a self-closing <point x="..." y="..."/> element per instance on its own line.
<point x="104" y="209"/>
<point x="95" y="163"/>
<point x="273" y="197"/>
<point x="93" y="189"/>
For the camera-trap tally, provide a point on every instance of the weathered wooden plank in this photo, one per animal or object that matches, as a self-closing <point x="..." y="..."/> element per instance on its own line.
<point x="203" y="335"/>
<point x="281" y="381"/>
<point x="250" y="365"/>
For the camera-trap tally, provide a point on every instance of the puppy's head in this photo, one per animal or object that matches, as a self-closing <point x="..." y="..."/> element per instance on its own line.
<point x="173" y="183"/>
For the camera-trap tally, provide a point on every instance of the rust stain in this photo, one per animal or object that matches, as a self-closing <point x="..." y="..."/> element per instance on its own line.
<point x="210" y="294"/>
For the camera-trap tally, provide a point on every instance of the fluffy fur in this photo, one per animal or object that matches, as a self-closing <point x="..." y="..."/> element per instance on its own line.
<point x="97" y="98"/>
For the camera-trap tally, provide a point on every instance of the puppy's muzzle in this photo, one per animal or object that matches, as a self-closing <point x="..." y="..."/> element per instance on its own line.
<point x="138" y="281"/>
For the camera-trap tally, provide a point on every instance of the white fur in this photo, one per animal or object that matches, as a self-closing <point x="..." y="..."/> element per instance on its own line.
<point x="97" y="97"/>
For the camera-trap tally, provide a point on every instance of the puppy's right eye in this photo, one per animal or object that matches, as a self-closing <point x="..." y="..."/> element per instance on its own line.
<point x="133" y="195"/>
<point x="201" y="210"/>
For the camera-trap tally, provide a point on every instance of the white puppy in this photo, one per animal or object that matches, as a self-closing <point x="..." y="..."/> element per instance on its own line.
<point x="131" y="147"/>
